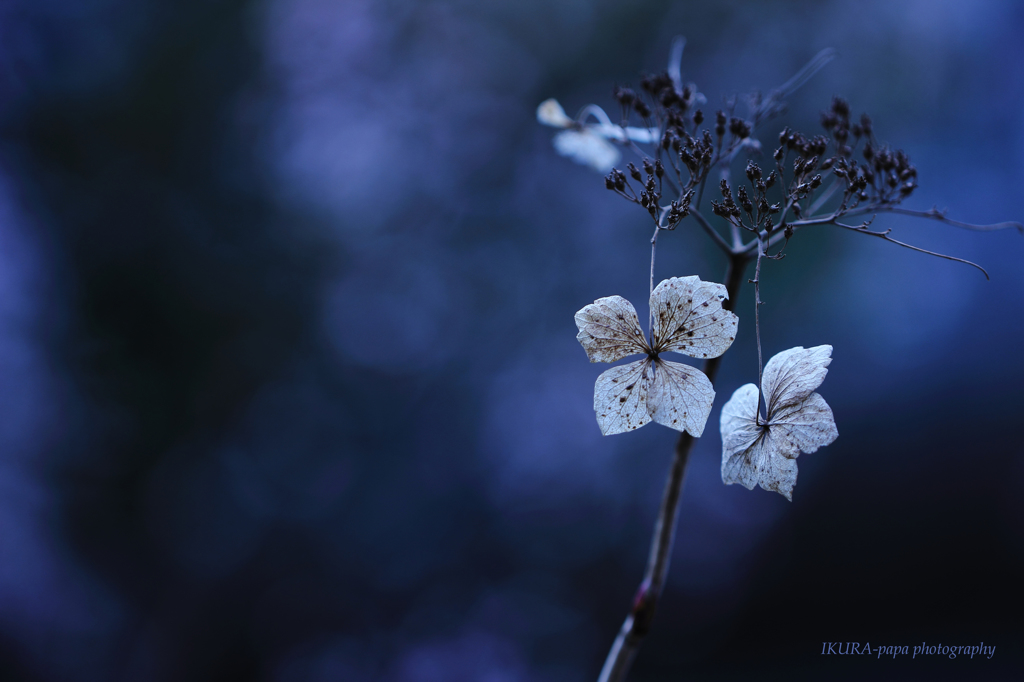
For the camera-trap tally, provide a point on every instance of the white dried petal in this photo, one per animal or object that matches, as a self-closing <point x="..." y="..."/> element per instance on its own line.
<point x="793" y="374"/>
<point x="739" y="430"/>
<point x="609" y="330"/>
<point x="611" y="131"/>
<point x="804" y="427"/>
<point x="587" y="148"/>
<point x="608" y="131"/>
<point x="798" y="421"/>
<point x="551" y="113"/>
<point x="680" y="397"/>
<point x="621" y="397"/>
<point x="642" y="135"/>
<point x="751" y="144"/>
<point x="750" y="454"/>
<point x="697" y="98"/>
<point x="689" y="318"/>
<point x="761" y="464"/>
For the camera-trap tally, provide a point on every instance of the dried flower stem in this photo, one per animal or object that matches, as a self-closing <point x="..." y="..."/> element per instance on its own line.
<point x="641" y="615"/>
<point x="757" y="325"/>
<point x="654" y="247"/>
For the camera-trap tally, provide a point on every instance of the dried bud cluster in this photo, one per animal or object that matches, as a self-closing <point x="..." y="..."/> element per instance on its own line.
<point x="809" y="170"/>
<point x="663" y="90"/>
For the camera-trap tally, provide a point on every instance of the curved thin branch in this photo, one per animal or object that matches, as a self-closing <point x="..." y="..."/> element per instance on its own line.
<point x="675" y="62"/>
<point x="803" y="75"/>
<point x="861" y="229"/>
<point x="932" y="214"/>
<point x="936" y="214"/>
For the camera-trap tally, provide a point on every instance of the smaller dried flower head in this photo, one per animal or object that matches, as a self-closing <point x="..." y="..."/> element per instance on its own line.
<point x="689" y="319"/>
<point x="588" y="139"/>
<point x="764" y="452"/>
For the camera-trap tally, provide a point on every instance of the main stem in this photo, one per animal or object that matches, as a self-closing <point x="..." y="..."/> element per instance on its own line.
<point x="757" y="328"/>
<point x="641" y="615"/>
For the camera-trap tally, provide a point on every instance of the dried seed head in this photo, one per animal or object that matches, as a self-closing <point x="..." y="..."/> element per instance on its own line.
<point x="624" y="96"/>
<point x="739" y="128"/>
<point x="840" y="107"/>
<point x="865" y="123"/>
<point x="726" y="191"/>
<point x="741" y="194"/>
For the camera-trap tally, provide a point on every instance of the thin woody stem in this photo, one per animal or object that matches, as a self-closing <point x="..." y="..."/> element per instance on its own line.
<point x="757" y="323"/>
<point x="932" y="214"/>
<point x="638" y="622"/>
<point x="650" y="314"/>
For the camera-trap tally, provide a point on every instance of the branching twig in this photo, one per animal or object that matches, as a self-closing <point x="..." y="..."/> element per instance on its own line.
<point x="712" y="232"/>
<point x="936" y="214"/>
<point x="885" y="235"/>
<point x="932" y="214"/>
<point x="803" y="75"/>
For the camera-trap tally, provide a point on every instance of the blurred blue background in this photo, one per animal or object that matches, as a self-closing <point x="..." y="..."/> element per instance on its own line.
<point x="289" y="388"/>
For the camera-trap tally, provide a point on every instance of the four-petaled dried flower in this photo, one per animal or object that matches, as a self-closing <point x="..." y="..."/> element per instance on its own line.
<point x="764" y="451"/>
<point x="688" y="318"/>
<point x="588" y="143"/>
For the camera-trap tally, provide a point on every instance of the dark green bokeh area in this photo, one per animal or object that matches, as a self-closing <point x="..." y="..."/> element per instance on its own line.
<point x="289" y="388"/>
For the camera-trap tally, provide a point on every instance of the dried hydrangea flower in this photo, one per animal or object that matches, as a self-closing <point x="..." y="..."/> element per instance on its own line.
<point x="688" y="318"/>
<point x="588" y="143"/>
<point x="764" y="451"/>
<point x="585" y="147"/>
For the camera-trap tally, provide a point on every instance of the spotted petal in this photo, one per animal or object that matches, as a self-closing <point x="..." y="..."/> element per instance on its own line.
<point x="793" y="374"/>
<point x="609" y="330"/>
<point x="680" y="397"/>
<point x="621" y="395"/>
<point x="689" y="318"/>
